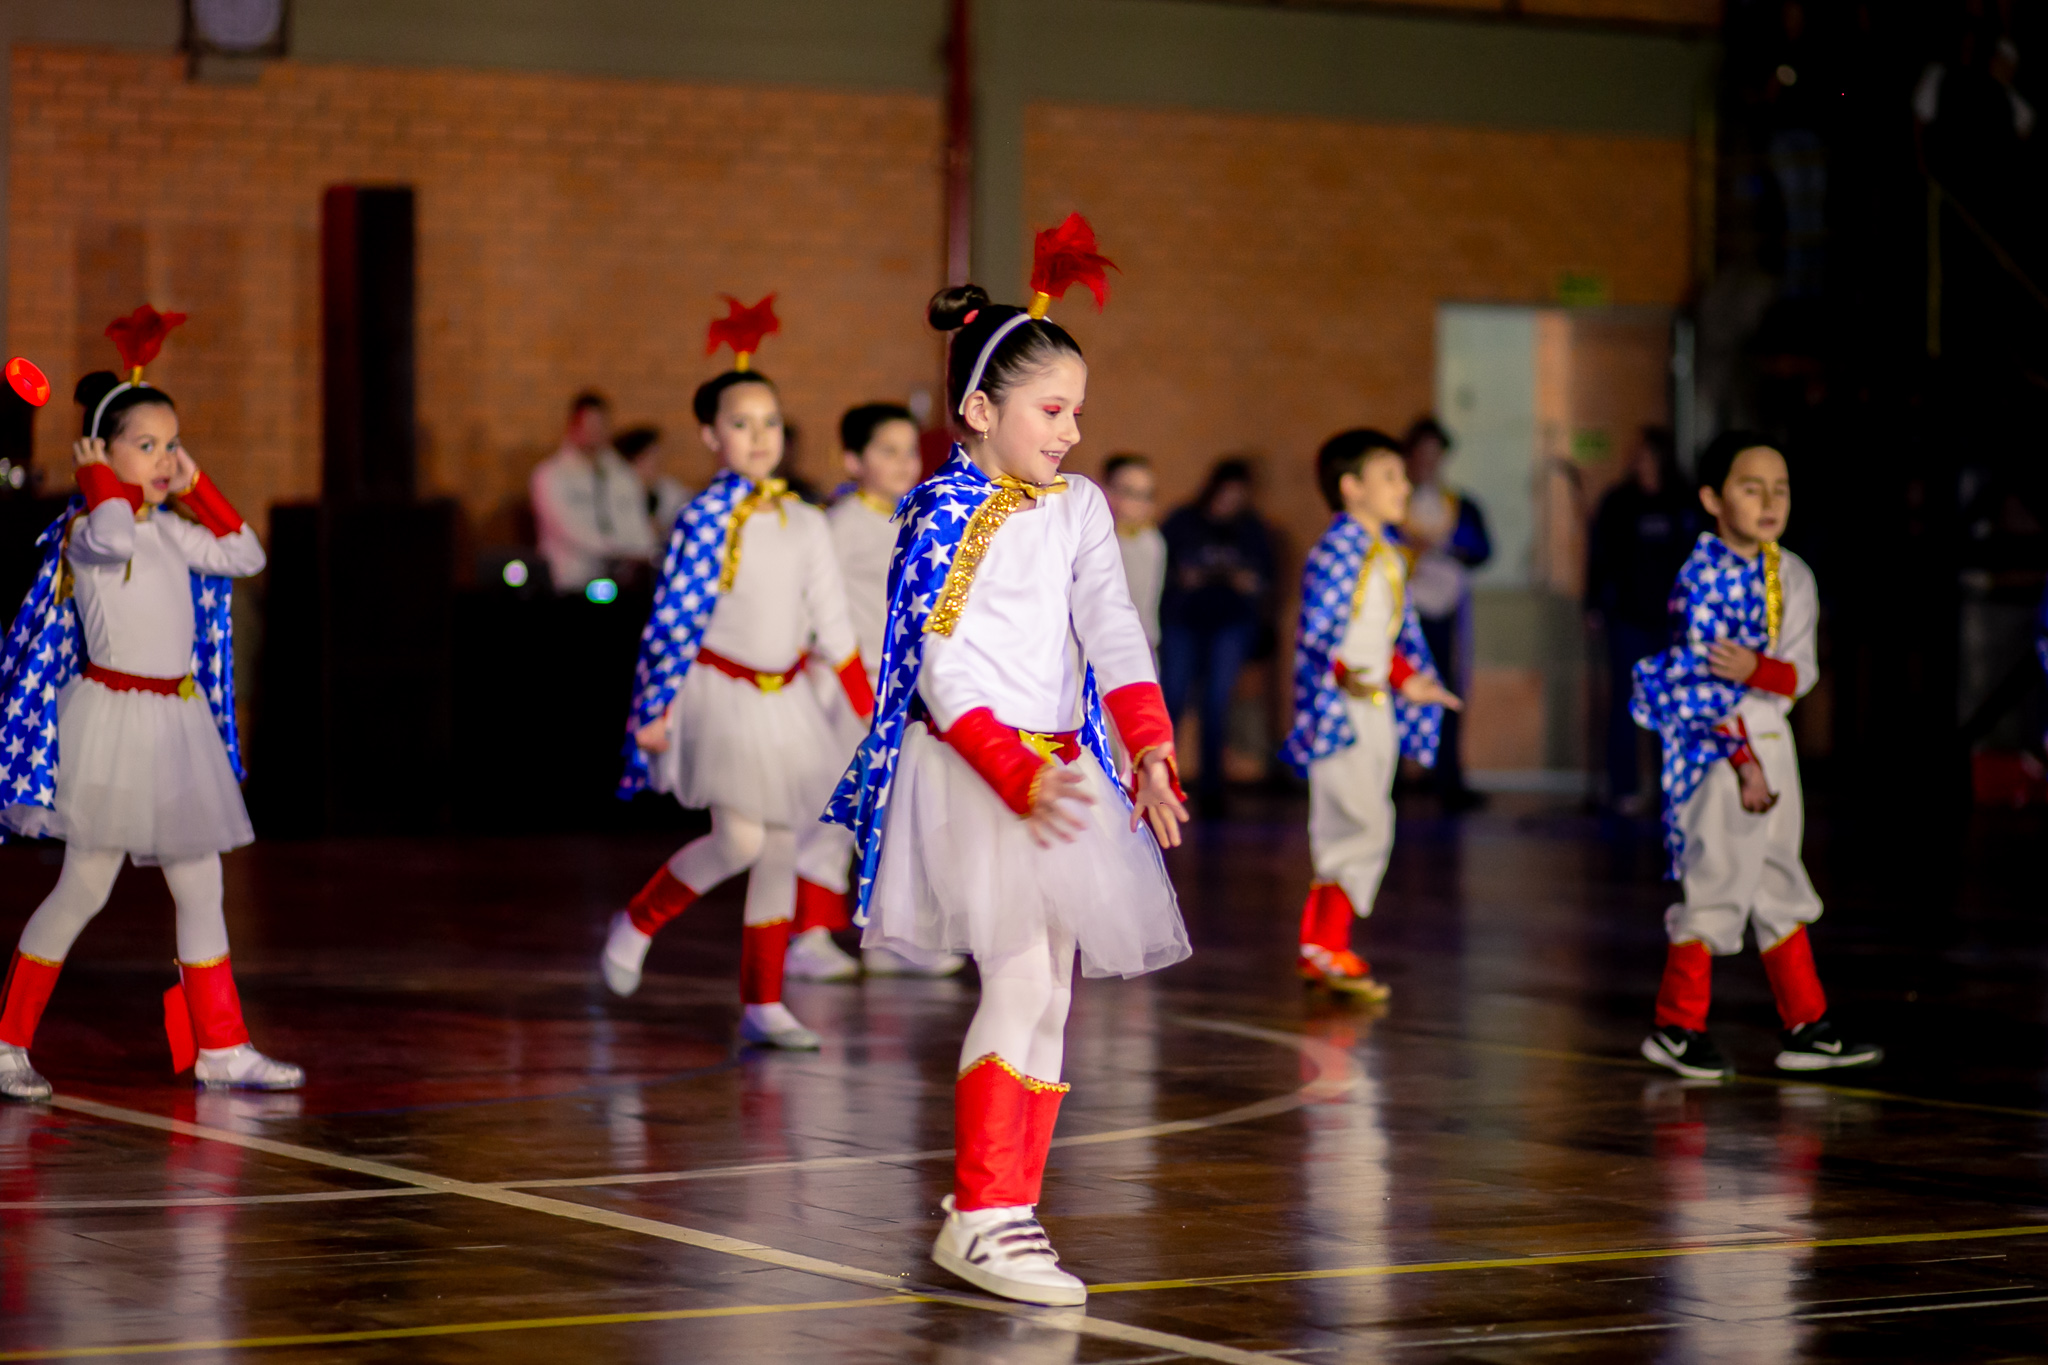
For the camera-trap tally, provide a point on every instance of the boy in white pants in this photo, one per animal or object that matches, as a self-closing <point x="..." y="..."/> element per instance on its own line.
<point x="1744" y="615"/>
<point x="1365" y="694"/>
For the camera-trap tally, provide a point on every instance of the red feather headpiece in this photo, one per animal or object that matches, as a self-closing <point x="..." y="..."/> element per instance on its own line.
<point x="1063" y="257"/>
<point x="742" y="329"/>
<point x="140" y="335"/>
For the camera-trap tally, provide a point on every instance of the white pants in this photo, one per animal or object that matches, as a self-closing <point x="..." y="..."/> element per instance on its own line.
<point x="1743" y="869"/>
<point x="88" y="879"/>
<point x="736" y="844"/>
<point x="1351" y="806"/>
<point x="1022" y="1017"/>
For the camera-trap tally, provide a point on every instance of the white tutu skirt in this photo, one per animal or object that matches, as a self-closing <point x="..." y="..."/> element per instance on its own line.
<point x="139" y="772"/>
<point x="961" y="873"/>
<point x="770" y="756"/>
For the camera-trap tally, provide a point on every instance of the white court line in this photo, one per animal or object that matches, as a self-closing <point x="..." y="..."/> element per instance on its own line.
<point x="1336" y="1076"/>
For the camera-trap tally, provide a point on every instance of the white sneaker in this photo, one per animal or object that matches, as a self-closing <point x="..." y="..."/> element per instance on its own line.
<point x="18" y="1080"/>
<point x="1007" y="1253"/>
<point x="889" y="962"/>
<point x="244" y="1068"/>
<point x="625" y="952"/>
<point x="813" y="956"/>
<point x="774" y="1026"/>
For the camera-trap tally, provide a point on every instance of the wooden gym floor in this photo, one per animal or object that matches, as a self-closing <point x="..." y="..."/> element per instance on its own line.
<point x="495" y="1161"/>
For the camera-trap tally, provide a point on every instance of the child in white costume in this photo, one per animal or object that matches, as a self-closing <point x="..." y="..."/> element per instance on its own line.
<point x="725" y="711"/>
<point x="1366" y="695"/>
<point x="142" y="765"/>
<point x="986" y="802"/>
<point x="1745" y="612"/>
<point x="879" y="445"/>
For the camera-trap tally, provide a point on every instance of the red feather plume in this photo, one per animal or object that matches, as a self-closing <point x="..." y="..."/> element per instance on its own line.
<point x="742" y="327"/>
<point x="140" y="335"/>
<point x="1065" y="256"/>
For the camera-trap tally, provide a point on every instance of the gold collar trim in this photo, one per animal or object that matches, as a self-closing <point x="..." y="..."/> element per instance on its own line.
<point x="1010" y="495"/>
<point x="766" y="492"/>
<point x="1774" y="592"/>
<point x="1394" y="565"/>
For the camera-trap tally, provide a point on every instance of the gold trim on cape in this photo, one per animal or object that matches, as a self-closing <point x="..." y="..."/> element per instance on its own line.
<point x="1010" y="494"/>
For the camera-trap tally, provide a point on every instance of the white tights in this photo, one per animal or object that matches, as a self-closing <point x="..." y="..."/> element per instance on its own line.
<point x="736" y="844"/>
<point x="88" y="879"/>
<point x="1023" y="1013"/>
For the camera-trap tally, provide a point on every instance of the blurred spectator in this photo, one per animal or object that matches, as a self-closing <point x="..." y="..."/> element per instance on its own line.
<point x="1641" y="535"/>
<point x="666" y="494"/>
<point x="1446" y="531"/>
<point x="1219" y="571"/>
<point x="588" y="505"/>
<point x="1133" y="492"/>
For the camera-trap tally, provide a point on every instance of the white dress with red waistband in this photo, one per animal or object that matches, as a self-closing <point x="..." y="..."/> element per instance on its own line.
<point x="771" y="753"/>
<point x="143" y="772"/>
<point x="959" y="868"/>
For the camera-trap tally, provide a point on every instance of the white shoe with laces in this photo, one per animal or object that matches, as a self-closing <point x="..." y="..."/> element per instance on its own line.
<point x="1006" y="1252"/>
<point x="774" y="1026"/>
<point x="625" y="952"/>
<point x="19" y="1080"/>
<point x="244" y="1068"/>
<point x="813" y="956"/>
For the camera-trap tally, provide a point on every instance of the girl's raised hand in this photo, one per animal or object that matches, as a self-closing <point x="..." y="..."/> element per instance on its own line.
<point x="88" y="450"/>
<point x="1154" y="800"/>
<point x="185" y="477"/>
<point x="1048" y="820"/>
<point x="1422" y="688"/>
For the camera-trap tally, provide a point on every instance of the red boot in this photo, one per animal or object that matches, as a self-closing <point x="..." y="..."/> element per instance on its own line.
<point x="29" y="983"/>
<point x="663" y="898"/>
<point x="1326" y="956"/>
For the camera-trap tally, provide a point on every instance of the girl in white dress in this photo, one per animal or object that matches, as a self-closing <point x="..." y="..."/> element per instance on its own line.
<point x="142" y="772"/>
<point x="989" y="802"/>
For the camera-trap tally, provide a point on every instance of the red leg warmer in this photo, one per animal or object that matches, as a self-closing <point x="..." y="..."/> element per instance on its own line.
<point x="820" y="907"/>
<point x="29" y="983"/>
<point x="661" y="900"/>
<point x="1326" y="918"/>
<point x="1002" y="1125"/>
<point x="1794" y="983"/>
<point x="215" y="1003"/>
<point x="762" y="950"/>
<point x="1688" y="986"/>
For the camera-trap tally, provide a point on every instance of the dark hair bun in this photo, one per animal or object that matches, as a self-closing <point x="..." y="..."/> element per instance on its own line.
<point x="949" y="308"/>
<point x="93" y="388"/>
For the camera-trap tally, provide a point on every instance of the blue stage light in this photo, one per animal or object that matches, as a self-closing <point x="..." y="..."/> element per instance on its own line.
<point x="601" y="590"/>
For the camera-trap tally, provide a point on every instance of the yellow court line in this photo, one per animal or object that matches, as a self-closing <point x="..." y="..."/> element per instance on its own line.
<point x="451" y="1329"/>
<point x="1357" y="1272"/>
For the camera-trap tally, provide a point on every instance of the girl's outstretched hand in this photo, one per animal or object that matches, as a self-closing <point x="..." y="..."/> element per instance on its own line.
<point x="1422" y="688"/>
<point x="1154" y="800"/>
<point x="1048" y="820"/>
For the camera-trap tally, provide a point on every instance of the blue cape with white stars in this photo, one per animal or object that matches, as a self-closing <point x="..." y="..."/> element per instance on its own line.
<point x="933" y="516"/>
<point x="1719" y="595"/>
<point x="1329" y="582"/>
<point x="683" y="602"/>
<point x="45" y="649"/>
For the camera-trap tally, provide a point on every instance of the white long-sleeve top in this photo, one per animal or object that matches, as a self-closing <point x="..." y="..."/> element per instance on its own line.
<point x="1144" y="556"/>
<point x="133" y="584"/>
<point x="1368" y="645"/>
<point x="864" y="537"/>
<point x="587" y="510"/>
<point x="1049" y="594"/>
<point x="787" y="596"/>
<point x="1798" y="626"/>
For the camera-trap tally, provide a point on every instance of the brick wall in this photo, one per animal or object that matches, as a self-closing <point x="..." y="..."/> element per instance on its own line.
<point x="572" y="232"/>
<point x="1281" y="275"/>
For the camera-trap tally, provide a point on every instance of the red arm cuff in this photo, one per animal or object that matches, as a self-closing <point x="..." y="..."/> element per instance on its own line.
<point x="1400" y="671"/>
<point x="854" y="678"/>
<point x="1774" y="675"/>
<point x="214" y="511"/>
<point x="1738" y="729"/>
<point x="101" y="484"/>
<point x="1004" y="761"/>
<point x="1139" y="713"/>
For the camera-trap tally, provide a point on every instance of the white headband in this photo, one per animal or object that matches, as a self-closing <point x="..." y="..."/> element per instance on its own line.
<point x="100" y="411"/>
<point x="988" y="348"/>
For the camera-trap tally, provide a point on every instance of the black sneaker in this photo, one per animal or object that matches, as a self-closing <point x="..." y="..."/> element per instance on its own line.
<point x="1686" y="1052"/>
<point x="1817" y="1047"/>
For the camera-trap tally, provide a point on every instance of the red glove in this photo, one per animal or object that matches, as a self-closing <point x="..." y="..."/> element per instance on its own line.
<point x="1139" y="711"/>
<point x="1004" y="761"/>
<point x="205" y="502"/>
<point x="1774" y="675"/>
<point x="101" y="484"/>
<point x="854" y="679"/>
